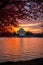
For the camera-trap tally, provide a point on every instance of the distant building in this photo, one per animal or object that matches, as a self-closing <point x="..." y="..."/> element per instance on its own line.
<point x="21" y="32"/>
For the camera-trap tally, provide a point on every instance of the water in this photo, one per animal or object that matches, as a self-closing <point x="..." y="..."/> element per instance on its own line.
<point x="16" y="49"/>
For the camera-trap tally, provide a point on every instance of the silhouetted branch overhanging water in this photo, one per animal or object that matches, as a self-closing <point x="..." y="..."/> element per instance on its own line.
<point x="10" y="10"/>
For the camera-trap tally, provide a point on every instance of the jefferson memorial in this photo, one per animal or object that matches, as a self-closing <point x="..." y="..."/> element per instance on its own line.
<point x="21" y="32"/>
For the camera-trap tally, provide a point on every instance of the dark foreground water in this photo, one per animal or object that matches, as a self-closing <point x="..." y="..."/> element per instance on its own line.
<point x="20" y="49"/>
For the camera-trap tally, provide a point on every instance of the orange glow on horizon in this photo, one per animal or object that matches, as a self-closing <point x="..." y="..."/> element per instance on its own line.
<point x="13" y="29"/>
<point x="27" y="29"/>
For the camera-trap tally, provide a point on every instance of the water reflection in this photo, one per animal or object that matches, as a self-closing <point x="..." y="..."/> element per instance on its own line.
<point x="15" y="49"/>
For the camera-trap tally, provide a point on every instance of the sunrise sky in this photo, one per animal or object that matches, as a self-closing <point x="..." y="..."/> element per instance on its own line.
<point x="34" y="27"/>
<point x="31" y="14"/>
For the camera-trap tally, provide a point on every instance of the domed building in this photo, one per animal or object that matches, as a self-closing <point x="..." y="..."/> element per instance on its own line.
<point x="21" y="32"/>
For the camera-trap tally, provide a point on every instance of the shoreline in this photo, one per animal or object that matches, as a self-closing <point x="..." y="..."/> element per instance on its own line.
<point x="20" y="37"/>
<point x="37" y="61"/>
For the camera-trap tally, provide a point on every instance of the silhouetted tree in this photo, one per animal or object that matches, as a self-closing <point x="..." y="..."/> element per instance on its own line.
<point x="28" y="33"/>
<point x="12" y="10"/>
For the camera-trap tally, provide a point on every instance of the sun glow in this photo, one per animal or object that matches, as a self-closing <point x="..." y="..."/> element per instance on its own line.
<point x="15" y="29"/>
<point x="26" y="27"/>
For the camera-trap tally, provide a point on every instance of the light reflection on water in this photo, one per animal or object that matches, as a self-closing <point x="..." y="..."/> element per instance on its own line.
<point x="16" y="49"/>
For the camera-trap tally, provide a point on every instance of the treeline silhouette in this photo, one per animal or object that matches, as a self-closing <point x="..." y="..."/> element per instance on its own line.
<point x="30" y="34"/>
<point x="27" y="34"/>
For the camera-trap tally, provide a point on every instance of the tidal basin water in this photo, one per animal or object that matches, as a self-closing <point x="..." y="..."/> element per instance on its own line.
<point x="20" y="49"/>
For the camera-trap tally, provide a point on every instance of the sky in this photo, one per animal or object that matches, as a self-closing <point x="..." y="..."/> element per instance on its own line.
<point x="34" y="27"/>
<point x="31" y="11"/>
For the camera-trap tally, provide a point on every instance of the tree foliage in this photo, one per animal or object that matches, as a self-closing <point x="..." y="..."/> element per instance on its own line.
<point x="11" y="11"/>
